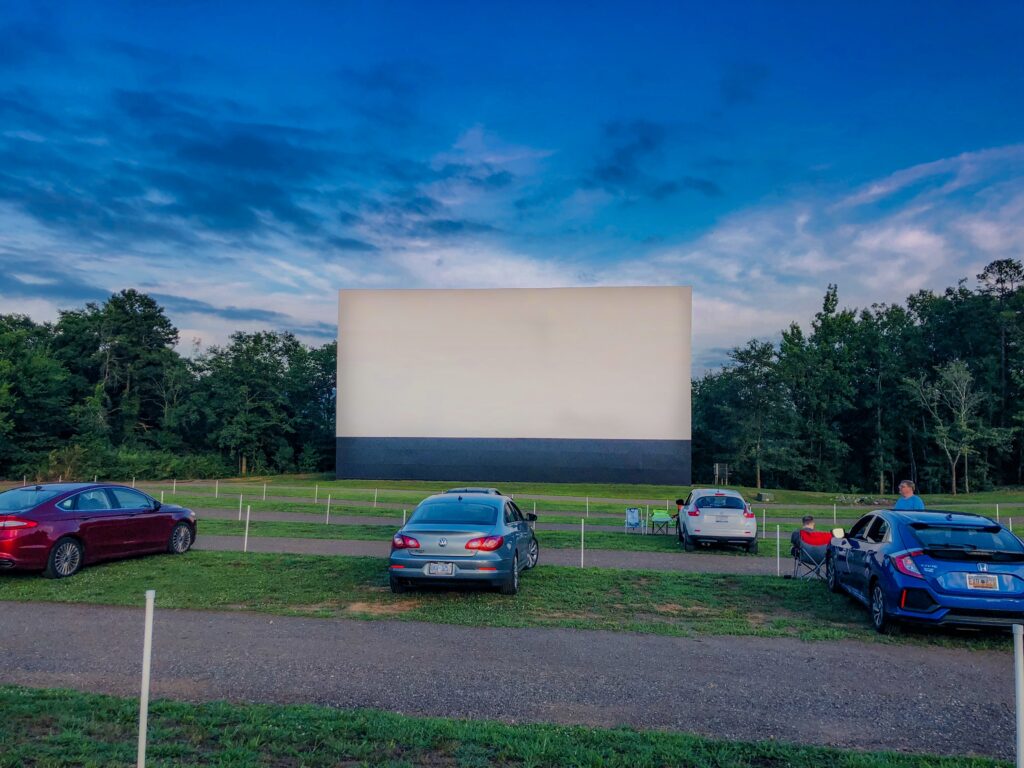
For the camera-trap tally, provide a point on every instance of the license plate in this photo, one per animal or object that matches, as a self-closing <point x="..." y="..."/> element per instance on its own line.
<point x="441" y="569"/>
<point x="982" y="581"/>
<point x="721" y="519"/>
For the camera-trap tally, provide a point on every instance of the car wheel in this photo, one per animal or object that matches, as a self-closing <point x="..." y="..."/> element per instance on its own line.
<point x="832" y="577"/>
<point x="397" y="586"/>
<point x="511" y="585"/>
<point x="688" y="543"/>
<point x="181" y="539"/>
<point x="532" y="554"/>
<point x="65" y="559"/>
<point x="880" y="618"/>
<point x="752" y="547"/>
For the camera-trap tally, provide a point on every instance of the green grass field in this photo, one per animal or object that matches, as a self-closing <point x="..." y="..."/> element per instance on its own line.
<point x="65" y="729"/>
<point x="676" y="604"/>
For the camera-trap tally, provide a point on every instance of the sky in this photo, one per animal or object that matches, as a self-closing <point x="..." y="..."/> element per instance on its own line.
<point x="241" y="162"/>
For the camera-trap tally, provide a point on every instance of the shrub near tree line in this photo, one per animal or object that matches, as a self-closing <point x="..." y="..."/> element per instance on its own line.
<point x="104" y="392"/>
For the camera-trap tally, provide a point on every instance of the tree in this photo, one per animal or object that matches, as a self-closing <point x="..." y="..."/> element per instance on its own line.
<point x="952" y="403"/>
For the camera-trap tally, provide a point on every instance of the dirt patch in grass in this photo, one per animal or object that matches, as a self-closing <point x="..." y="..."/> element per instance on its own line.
<point x="383" y="609"/>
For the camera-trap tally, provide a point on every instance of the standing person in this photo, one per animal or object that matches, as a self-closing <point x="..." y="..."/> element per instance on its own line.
<point x="794" y="538"/>
<point x="908" y="499"/>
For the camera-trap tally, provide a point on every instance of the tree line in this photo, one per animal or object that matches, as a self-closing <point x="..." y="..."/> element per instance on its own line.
<point x="103" y="391"/>
<point x="932" y="391"/>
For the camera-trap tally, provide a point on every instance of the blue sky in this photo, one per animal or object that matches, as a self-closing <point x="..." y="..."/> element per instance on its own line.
<point x="243" y="161"/>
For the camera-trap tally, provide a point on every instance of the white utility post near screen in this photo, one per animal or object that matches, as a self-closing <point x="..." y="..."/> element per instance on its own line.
<point x="147" y="654"/>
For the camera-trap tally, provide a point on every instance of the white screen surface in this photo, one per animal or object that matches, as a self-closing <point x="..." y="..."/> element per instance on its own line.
<point x="569" y="363"/>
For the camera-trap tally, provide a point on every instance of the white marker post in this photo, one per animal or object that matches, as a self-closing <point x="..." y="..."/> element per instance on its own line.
<point x="328" y="509"/>
<point x="833" y="515"/>
<point x="174" y="487"/>
<point x="403" y="518"/>
<point x="264" y="491"/>
<point x="239" y="507"/>
<point x="1018" y="677"/>
<point x="60" y="479"/>
<point x="535" y="507"/>
<point x="216" y="489"/>
<point x="245" y="541"/>
<point x="582" y="522"/>
<point x="764" y="523"/>
<point x="374" y="498"/>
<point x="997" y="513"/>
<point x="316" y="493"/>
<point x="24" y="480"/>
<point x="133" y="485"/>
<point x="778" y="551"/>
<point x="147" y="655"/>
<point x="161" y="498"/>
<point x="94" y="478"/>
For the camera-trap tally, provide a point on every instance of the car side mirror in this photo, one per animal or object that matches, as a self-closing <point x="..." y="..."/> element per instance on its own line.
<point x="838" y="533"/>
<point x="156" y="505"/>
<point x="531" y="517"/>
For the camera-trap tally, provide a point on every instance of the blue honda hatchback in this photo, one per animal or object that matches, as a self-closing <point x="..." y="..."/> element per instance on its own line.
<point x="930" y="567"/>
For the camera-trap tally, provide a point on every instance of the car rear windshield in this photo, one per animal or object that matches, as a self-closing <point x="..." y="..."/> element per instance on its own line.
<point x="456" y="513"/>
<point x="720" y="502"/>
<point x="989" y="538"/>
<point x="20" y="499"/>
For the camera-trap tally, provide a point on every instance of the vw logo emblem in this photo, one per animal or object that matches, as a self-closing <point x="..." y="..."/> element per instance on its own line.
<point x="442" y="542"/>
<point x="983" y="567"/>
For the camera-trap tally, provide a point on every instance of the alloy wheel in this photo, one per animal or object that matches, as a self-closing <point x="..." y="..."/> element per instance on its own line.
<point x="878" y="606"/>
<point x="182" y="539"/>
<point x="533" y="554"/>
<point x="67" y="558"/>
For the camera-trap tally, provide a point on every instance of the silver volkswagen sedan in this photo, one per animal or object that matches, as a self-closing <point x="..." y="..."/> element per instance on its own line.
<point x="458" y="537"/>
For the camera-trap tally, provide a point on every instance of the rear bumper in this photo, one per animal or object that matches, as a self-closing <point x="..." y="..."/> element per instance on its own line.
<point x="487" y="568"/>
<point x="739" y="538"/>
<point x="23" y="553"/>
<point x="947" y="610"/>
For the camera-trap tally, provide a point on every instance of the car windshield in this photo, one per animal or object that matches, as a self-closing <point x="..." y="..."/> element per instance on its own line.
<point x="720" y="502"/>
<point x="990" y="538"/>
<point x="20" y="499"/>
<point x="457" y="513"/>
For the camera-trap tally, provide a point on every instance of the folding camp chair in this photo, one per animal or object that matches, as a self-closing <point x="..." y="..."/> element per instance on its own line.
<point x="634" y="521"/>
<point x="660" y="522"/>
<point x="809" y="554"/>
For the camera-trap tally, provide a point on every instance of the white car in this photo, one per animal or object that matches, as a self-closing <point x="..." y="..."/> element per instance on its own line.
<point x="710" y="515"/>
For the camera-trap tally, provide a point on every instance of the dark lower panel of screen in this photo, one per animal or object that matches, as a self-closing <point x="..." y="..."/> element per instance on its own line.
<point x="661" y="462"/>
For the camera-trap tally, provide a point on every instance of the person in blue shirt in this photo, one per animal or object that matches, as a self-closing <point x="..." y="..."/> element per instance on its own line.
<point x="908" y="499"/>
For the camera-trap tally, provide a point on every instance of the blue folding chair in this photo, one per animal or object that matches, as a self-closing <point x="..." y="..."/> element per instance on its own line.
<point x="634" y="521"/>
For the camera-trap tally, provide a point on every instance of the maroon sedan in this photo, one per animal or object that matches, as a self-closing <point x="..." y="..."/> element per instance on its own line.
<point x="58" y="528"/>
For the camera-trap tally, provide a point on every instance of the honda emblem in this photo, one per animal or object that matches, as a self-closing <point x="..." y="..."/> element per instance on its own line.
<point x="983" y="567"/>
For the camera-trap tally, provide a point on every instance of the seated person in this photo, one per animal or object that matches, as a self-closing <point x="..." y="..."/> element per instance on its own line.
<point x="794" y="538"/>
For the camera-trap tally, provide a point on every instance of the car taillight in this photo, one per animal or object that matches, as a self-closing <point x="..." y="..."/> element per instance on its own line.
<point x="693" y="512"/>
<point x="747" y="513"/>
<point x="905" y="564"/>
<point x="401" y="541"/>
<point x="16" y="522"/>
<point x="486" y="543"/>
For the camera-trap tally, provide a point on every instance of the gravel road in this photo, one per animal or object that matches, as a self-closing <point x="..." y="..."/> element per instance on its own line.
<point x="594" y="558"/>
<point x="844" y="694"/>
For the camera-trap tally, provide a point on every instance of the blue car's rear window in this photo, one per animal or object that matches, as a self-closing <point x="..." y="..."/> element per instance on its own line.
<point x="20" y="499"/>
<point x="456" y="513"/>
<point x="990" y="538"/>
